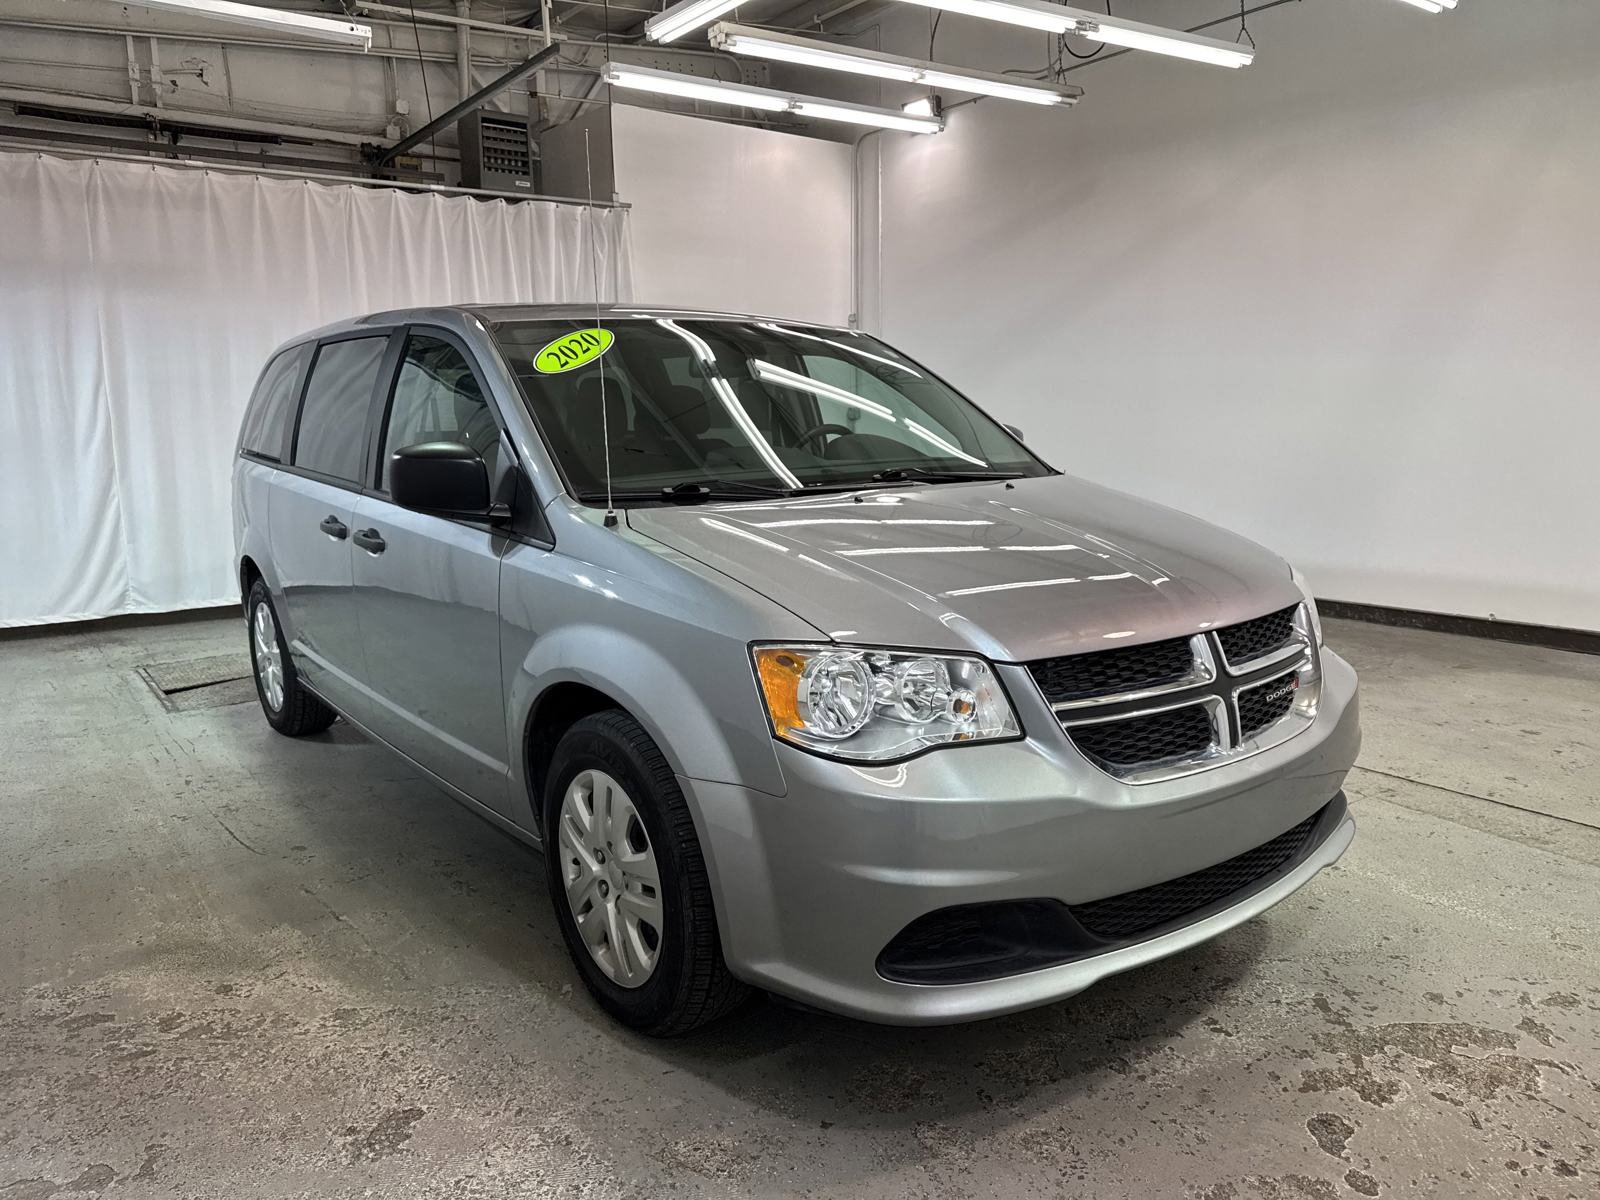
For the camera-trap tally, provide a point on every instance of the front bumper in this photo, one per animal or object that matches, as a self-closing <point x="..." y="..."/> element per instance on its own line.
<point x="812" y="885"/>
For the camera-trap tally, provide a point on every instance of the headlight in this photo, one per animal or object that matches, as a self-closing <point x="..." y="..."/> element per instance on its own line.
<point x="872" y="705"/>
<point x="1311" y="604"/>
<point x="1308" y="679"/>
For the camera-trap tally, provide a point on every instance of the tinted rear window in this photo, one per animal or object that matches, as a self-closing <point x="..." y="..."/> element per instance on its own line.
<point x="333" y="419"/>
<point x="266" y="421"/>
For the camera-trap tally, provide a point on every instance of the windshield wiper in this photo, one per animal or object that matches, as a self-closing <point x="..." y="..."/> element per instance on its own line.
<point x="695" y="491"/>
<point x="901" y="474"/>
<point x="720" y="489"/>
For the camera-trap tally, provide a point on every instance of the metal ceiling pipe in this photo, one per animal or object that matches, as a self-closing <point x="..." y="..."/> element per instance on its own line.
<point x="840" y="10"/>
<point x="186" y="116"/>
<point x="229" y="39"/>
<point x="424" y="16"/>
<point x="477" y="100"/>
<point x="215" y="39"/>
<point x="464" y="49"/>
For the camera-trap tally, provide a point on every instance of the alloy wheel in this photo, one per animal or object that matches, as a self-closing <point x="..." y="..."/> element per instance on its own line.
<point x="613" y="882"/>
<point x="269" y="660"/>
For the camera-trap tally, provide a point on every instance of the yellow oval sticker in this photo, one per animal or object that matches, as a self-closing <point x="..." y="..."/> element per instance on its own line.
<point x="573" y="350"/>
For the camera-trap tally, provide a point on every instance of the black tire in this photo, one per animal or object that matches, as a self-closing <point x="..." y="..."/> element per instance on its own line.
<point x="690" y="986"/>
<point x="301" y="714"/>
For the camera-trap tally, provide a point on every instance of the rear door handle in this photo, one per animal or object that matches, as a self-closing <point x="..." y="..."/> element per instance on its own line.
<point x="334" y="528"/>
<point x="370" y="540"/>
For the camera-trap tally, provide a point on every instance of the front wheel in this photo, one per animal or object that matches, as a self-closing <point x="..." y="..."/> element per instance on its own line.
<point x="629" y="882"/>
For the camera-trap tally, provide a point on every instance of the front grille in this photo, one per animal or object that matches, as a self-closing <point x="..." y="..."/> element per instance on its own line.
<point x="1251" y="639"/>
<point x="993" y="940"/>
<point x="1149" y="738"/>
<point x="1103" y="672"/>
<point x="1134" y="914"/>
<point x="1266" y="703"/>
<point x="1150" y="712"/>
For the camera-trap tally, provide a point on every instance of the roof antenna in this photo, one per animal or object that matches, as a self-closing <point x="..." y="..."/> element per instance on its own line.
<point x="594" y="268"/>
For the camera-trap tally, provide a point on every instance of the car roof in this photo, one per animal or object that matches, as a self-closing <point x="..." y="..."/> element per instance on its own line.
<point x="494" y="314"/>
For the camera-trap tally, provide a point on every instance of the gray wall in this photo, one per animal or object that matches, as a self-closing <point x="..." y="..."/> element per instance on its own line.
<point x="1343" y="300"/>
<point x="732" y="217"/>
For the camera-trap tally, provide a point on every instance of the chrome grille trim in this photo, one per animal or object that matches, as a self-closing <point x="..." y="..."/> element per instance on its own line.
<point x="1202" y="670"/>
<point x="1280" y="653"/>
<point x="1170" y="767"/>
<point x="1205" y="686"/>
<point x="1287" y="653"/>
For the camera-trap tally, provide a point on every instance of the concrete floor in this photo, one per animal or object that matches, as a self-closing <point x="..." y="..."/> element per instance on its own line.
<point x="237" y="965"/>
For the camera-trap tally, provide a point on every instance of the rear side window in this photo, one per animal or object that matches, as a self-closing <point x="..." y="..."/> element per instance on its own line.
<point x="333" y="419"/>
<point x="266" y="421"/>
<point x="437" y="399"/>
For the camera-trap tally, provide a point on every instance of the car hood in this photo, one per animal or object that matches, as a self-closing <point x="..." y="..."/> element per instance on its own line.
<point x="1050" y="565"/>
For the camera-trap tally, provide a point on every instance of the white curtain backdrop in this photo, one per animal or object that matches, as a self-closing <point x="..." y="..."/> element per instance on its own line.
<point x="137" y="305"/>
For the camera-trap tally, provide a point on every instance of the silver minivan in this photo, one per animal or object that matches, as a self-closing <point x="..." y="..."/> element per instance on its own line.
<point x="805" y="673"/>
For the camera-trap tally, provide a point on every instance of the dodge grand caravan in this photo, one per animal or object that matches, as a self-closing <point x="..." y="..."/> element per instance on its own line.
<point x="805" y="673"/>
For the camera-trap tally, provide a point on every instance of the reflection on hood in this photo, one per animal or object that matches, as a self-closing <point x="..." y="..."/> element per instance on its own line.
<point x="1044" y="567"/>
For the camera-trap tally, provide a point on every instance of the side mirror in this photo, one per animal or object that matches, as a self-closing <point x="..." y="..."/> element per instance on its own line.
<point x="440" y="477"/>
<point x="1014" y="432"/>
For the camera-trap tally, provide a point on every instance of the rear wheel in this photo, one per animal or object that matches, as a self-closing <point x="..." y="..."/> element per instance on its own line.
<point x="629" y="882"/>
<point x="290" y="708"/>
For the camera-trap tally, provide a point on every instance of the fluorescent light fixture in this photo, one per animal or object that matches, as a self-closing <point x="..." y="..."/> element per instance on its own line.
<point x="861" y="114"/>
<point x="1116" y="31"/>
<point x="1432" y="6"/>
<point x="668" y="83"/>
<point x="740" y="95"/>
<point x="275" y="20"/>
<point x="1156" y="40"/>
<point x="922" y="106"/>
<point x="682" y="18"/>
<point x="1052" y="18"/>
<point x="1001" y="89"/>
<point x="782" y="47"/>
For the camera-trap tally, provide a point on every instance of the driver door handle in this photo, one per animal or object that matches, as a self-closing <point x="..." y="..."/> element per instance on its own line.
<point x="334" y="528"/>
<point x="370" y="540"/>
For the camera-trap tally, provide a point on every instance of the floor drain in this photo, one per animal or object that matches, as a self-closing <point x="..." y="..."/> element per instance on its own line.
<point x="195" y="683"/>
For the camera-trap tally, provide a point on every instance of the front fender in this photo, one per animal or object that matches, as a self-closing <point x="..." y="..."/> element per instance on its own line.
<point x="711" y="727"/>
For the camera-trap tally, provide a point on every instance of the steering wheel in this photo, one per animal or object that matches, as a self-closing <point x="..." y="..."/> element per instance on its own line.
<point x="817" y="431"/>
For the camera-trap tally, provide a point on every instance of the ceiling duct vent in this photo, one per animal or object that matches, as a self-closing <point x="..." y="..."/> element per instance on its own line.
<point x="496" y="153"/>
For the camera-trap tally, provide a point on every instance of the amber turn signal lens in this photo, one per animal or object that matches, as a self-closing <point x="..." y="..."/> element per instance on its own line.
<point x="779" y="670"/>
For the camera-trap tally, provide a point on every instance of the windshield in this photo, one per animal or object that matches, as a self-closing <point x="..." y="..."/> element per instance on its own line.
<point x="744" y="405"/>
